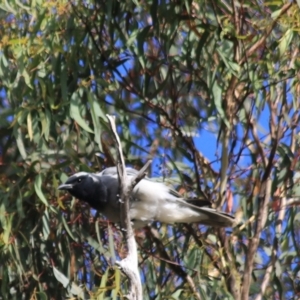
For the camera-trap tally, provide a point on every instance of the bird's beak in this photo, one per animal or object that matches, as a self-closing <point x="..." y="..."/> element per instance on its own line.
<point x="65" y="186"/>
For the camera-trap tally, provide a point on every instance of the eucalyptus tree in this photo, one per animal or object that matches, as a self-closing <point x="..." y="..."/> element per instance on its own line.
<point x="208" y="89"/>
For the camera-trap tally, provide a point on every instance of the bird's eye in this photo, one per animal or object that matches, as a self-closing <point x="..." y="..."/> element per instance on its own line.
<point x="79" y="180"/>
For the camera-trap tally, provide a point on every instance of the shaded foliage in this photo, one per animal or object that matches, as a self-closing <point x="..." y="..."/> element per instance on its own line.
<point x="181" y="77"/>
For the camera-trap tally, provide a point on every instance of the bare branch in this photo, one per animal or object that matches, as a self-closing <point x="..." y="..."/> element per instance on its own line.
<point x="136" y="179"/>
<point x="128" y="265"/>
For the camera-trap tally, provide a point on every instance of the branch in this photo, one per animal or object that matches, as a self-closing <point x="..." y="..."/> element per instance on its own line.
<point x="254" y="242"/>
<point x="224" y="167"/>
<point x="136" y="179"/>
<point x="268" y="274"/>
<point x="177" y="269"/>
<point x="261" y="41"/>
<point x="128" y="265"/>
<point x="292" y="201"/>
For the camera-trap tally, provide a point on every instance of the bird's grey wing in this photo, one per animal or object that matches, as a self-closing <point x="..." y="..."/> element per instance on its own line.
<point x="210" y="216"/>
<point x="112" y="171"/>
<point x="174" y="208"/>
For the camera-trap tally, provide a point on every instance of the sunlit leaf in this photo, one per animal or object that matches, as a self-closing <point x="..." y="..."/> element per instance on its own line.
<point x="74" y="289"/>
<point x="29" y="126"/>
<point x="285" y="41"/>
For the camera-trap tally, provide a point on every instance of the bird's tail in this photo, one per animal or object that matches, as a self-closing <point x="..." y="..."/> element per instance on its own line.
<point x="216" y="218"/>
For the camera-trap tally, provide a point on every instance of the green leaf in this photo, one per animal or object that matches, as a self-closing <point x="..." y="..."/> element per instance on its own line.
<point x="29" y="126"/>
<point x="296" y="185"/>
<point x="46" y="227"/>
<point x="99" y="246"/>
<point x="66" y="226"/>
<point x="42" y="296"/>
<point x="45" y="119"/>
<point x="132" y="37"/>
<point x="96" y="245"/>
<point x="104" y="279"/>
<point x="95" y="117"/>
<point x="75" y="105"/>
<point x="7" y="7"/>
<point x="20" y="144"/>
<point x="285" y="41"/>
<point x="63" y="82"/>
<point x="38" y="188"/>
<point x="7" y="227"/>
<point x="233" y="67"/>
<point x="65" y="281"/>
<point x="20" y="206"/>
<point x="177" y="294"/>
<point x="279" y="284"/>
<point x="217" y="99"/>
<point x="111" y="245"/>
<point x="27" y="78"/>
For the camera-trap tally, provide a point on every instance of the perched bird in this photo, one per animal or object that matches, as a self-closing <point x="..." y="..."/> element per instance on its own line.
<point x="150" y="200"/>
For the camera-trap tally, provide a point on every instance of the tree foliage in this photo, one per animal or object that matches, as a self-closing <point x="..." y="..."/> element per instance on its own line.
<point x="184" y="78"/>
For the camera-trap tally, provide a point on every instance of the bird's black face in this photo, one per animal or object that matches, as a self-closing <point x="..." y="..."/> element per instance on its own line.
<point x="79" y="185"/>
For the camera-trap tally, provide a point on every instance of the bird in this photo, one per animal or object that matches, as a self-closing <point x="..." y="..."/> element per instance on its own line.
<point x="150" y="200"/>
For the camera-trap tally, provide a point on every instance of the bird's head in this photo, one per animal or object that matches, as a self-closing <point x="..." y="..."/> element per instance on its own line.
<point x="82" y="185"/>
